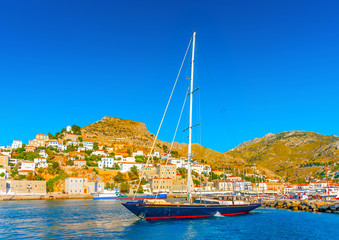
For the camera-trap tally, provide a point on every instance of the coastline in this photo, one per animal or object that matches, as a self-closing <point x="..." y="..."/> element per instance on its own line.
<point x="45" y="197"/>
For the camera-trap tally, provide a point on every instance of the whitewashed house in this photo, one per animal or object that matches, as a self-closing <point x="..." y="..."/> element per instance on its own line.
<point x="62" y="147"/>
<point x="41" y="162"/>
<point x="128" y="159"/>
<point x="53" y="143"/>
<point x="43" y="154"/>
<point x="81" y="149"/>
<point x="27" y="167"/>
<point x="138" y="153"/>
<point x="106" y="162"/>
<point x="100" y="153"/>
<point x="126" y="166"/>
<point x="88" y="145"/>
<point x="16" y="144"/>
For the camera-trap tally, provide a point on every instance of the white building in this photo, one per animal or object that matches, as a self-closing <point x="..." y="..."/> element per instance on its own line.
<point x="62" y="147"/>
<point x="128" y="159"/>
<point x="88" y="145"/>
<point x="43" y="154"/>
<point x="138" y="153"/>
<point x="26" y="167"/>
<point x="75" y="185"/>
<point x="100" y="153"/>
<point x="53" y="143"/>
<point x="200" y="168"/>
<point x="41" y="162"/>
<point x="179" y="163"/>
<point x="17" y="144"/>
<point x="69" y="129"/>
<point x="106" y="162"/>
<point x="126" y="166"/>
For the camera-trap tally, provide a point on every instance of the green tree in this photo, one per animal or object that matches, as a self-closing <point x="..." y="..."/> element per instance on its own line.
<point x="80" y="139"/>
<point x="140" y="190"/>
<point x="196" y="182"/>
<point x="2" y="174"/>
<point x="124" y="187"/>
<point x="76" y="130"/>
<point x="134" y="170"/>
<point x="119" y="177"/>
<point x="69" y="162"/>
<point x="95" y="146"/>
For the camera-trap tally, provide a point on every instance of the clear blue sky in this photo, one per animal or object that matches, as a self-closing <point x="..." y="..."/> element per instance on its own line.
<point x="262" y="66"/>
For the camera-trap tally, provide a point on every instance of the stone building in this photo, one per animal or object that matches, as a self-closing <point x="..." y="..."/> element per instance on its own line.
<point x="76" y="185"/>
<point x="22" y="187"/>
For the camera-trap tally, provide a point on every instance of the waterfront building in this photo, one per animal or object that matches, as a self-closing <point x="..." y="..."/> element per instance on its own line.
<point x="161" y="185"/>
<point x="16" y="144"/>
<point x="22" y="187"/>
<point x="167" y="170"/>
<point x="75" y="185"/>
<point x="79" y="162"/>
<point x="4" y="159"/>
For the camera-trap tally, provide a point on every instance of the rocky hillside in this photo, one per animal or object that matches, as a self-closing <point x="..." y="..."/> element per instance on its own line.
<point x="126" y="134"/>
<point x="292" y="155"/>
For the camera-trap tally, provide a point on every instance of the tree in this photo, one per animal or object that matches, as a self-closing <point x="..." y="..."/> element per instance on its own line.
<point x="76" y="130"/>
<point x="129" y="152"/>
<point x="140" y="190"/>
<point x="196" y="182"/>
<point x="69" y="162"/>
<point x="2" y="174"/>
<point x="134" y="170"/>
<point x="80" y="139"/>
<point x="119" y="177"/>
<point x="124" y="187"/>
<point x="30" y="176"/>
<point x="95" y="146"/>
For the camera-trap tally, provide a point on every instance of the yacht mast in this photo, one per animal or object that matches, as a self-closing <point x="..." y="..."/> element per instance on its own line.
<point x="189" y="177"/>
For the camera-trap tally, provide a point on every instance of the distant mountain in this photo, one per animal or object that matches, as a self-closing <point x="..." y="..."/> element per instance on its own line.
<point x="292" y="155"/>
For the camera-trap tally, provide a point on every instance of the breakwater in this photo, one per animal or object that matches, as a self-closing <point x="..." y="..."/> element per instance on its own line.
<point x="305" y="205"/>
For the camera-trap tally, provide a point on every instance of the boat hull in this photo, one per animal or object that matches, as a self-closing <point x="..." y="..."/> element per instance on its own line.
<point x="102" y="197"/>
<point x="160" y="212"/>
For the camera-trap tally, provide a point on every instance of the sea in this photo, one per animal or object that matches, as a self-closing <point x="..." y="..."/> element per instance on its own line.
<point x="108" y="219"/>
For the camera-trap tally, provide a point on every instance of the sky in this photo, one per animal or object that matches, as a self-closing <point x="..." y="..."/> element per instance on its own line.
<point x="261" y="67"/>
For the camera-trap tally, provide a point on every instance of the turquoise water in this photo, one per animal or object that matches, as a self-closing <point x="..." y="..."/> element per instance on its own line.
<point x="88" y="219"/>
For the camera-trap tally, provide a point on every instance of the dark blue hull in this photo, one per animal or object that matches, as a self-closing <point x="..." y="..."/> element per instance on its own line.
<point x="158" y="212"/>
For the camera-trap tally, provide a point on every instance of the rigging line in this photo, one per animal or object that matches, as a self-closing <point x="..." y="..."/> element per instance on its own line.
<point x="227" y="124"/>
<point x="163" y="117"/>
<point x="175" y="133"/>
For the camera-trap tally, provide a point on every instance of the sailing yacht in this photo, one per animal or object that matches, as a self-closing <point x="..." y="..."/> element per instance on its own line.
<point x="203" y="207"/>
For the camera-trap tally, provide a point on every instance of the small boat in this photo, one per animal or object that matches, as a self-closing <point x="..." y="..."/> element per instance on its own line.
<point x="197" y="208"/>
<point x="116" y="195"/>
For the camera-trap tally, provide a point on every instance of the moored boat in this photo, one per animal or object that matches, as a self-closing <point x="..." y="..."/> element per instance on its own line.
<point x="207" y="207"/>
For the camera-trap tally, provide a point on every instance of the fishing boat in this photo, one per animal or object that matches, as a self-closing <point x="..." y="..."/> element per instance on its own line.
<point x="194" y="208"/>
<point x="115" y="194"/>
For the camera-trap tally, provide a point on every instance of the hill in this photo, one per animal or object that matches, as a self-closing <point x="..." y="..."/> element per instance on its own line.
<point x="293" y="155"/>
